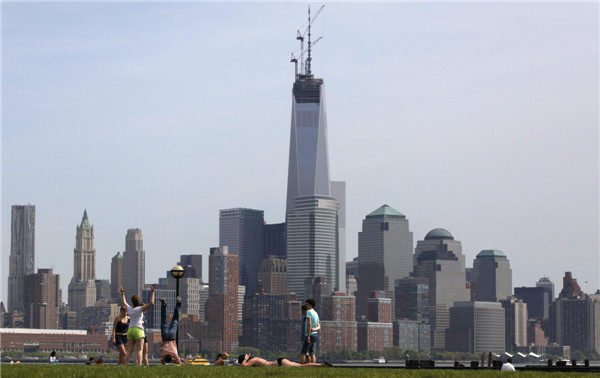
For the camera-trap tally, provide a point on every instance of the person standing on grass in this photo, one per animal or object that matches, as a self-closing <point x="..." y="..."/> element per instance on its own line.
<point x="303" y="356"/>
<point x="53" y="359"/>
<point x="119" y="334"/>
<point x="311" y="331"/>
<point x="135" y="333"/>
<point x="145" y="351"/>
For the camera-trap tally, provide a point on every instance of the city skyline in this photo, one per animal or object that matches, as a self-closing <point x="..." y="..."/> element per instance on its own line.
<point x="478" y="118"/>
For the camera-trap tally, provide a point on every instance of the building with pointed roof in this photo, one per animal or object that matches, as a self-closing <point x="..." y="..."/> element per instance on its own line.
<point x="82" y="288"/>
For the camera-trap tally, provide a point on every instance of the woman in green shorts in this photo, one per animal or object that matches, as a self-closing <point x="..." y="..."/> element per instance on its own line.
<point x="135" y="334"/>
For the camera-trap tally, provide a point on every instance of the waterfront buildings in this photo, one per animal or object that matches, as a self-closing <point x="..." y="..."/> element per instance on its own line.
<point x="22" y="254"/>
<point x="412" y="299"/>
<point x="537" y="299"/>
<point x="476" y="327"/>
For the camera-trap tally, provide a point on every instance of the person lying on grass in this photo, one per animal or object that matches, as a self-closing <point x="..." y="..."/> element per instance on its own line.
<point x="251" y="361"/>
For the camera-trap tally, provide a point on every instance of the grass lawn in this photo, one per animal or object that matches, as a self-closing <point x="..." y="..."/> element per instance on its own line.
<point x="30" y="371"/>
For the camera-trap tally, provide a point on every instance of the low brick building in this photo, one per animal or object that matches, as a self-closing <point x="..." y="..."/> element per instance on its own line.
<point x="374" y="336"/>
<point x="47" y="340"/>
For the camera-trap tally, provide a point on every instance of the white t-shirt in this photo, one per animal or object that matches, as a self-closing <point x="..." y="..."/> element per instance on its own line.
<point x="135" y="316"/>
<point x="507" y="367"/>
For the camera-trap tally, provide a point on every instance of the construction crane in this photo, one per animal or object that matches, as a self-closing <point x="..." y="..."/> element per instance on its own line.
<point x="300" y="37"/>
<point x="295" y="60"/>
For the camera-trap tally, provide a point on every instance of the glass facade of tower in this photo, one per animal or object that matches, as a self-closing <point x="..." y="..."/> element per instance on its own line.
<point x="308" y="172"/>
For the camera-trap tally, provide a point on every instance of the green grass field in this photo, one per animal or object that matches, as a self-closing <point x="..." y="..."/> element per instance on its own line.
<point x="30" y="371"/>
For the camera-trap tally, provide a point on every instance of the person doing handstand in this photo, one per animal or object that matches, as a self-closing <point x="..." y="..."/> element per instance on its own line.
<point x="168" y="347"/>
<point x="251" y="361"/>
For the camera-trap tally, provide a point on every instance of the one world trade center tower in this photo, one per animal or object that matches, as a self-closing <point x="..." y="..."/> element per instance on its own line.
<point x="315" y="208"/>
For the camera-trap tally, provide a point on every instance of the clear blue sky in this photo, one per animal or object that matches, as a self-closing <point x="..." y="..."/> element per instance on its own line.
<point x="481" y="118"/>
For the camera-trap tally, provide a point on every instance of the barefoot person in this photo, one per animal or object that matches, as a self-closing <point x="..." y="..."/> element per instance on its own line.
<point x="119" y="334"/>
<point x="168" y="347"/>
<point x="251" y="361"/>
<point x="135" y="333"/>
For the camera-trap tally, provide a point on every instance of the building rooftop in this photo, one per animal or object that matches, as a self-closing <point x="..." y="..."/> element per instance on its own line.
<point x="439" y="233"/>
<point x="385" y="210"/>
<point x="491" y="253"/>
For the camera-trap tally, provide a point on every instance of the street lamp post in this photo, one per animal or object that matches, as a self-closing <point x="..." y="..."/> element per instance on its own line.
<point x="177" y="272"/>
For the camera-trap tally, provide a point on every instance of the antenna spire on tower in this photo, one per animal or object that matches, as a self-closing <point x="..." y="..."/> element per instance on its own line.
<point x="308" y="72"/>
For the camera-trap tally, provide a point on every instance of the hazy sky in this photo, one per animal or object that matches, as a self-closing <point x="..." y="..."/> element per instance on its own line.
<point x="481" y="118"/>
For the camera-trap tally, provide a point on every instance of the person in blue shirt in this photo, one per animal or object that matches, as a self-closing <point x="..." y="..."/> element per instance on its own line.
<point x="311" y="332"/>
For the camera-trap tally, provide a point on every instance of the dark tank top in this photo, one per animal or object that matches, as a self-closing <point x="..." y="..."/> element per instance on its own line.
<point x="122" y="327"/>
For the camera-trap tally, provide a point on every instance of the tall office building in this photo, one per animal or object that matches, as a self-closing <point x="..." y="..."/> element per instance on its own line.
<point x="385" y="253"/>
<point x="491" y="276"/>
<point x="242" y="231"/>
<point x="537" y="300"/>
<point x="116" y="275"/>
<point x="82" y="288"/>
<point x="134" y="263"/>
<point x="312" y="243"/>
<point x="439" y="259"/>
<point x="22" y="254"/>
<point x="576" y="317"/>
<point x="548" y="285"/>
<point x="222" y="300"/>
<point x="189" y="291"/>
<point x="412" y="299"/>
<point x="516" y="322"/>
<point x="42" y="299"/>
<point x="308" y="171"/>
<point x="84" y="267"/>
<point x="275" y="244"/>
<point x="192" y="265"/>
<point x="476" y="327"/>
<point x="273" y="275"/>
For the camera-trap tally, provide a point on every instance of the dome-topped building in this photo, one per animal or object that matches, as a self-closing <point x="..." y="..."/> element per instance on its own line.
<point x="491" y="276"/>
<point x="439" y="234"/>
<point x="439" y="259"/>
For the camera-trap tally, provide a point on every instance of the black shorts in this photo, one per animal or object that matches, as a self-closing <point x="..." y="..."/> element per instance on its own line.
<point x="120" y="339"/>
<point x="279" y="361"/>
<point x="145" y="339"/>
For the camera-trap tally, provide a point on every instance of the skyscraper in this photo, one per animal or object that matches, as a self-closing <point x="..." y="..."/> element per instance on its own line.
<point x="22" y="254"/>
<point x="548" y="285"/>
<point x="308" y="172"/>
<point x="134" y="263"/>
<point x="222" y="300"/>
<point x="312" y="243"/>
<point x="491" y="276"/>
<point x="42" y="299"/>
<point x="242" y="231"/>
<point x="516" y="319"/>
<point x="439" y="259"/>
<point x="82" y="287"/>
<point x="116" y="275"/>
<point x="385" y="253"/>
<point x="273" y="275"/>
<point x="192" y="265"/>
<point x="84" y="267"/>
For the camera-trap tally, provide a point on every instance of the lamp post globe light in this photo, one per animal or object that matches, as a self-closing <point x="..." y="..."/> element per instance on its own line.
<point x="177" y="272"/>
